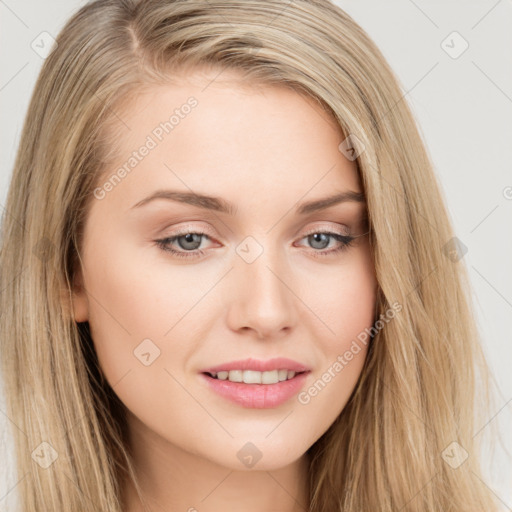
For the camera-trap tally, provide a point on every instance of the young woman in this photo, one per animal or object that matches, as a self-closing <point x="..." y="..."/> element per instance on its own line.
<point x="229" y="280"/>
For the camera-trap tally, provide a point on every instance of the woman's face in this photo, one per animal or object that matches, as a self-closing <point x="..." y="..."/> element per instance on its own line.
<point x="229" y="171"/>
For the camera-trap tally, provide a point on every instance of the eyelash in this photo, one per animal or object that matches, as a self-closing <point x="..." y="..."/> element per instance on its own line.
<point x="164" y="244"/>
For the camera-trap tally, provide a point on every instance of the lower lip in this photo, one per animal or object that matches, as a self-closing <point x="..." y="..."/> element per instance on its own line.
<point x="257" y="396"/>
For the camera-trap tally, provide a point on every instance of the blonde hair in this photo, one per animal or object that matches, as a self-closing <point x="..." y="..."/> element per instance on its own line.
<point x="417" y="392"/>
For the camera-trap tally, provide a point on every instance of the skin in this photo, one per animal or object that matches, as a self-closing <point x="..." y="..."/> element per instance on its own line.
<point x="264" y="150"/>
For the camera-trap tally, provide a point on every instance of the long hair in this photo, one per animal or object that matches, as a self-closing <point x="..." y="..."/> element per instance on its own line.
<point x="414" y="409"/>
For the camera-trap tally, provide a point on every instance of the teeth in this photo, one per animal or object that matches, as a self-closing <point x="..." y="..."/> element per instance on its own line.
<point x="254" y="377"/>
<point x="270" y="377"/>
<point x="235" y="376"/>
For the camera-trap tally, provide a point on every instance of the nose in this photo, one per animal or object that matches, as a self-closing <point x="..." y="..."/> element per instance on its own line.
<point x="263" y="299"/>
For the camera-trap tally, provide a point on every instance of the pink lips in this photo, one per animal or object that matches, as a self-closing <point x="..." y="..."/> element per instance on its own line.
<point x="258" y="396"/>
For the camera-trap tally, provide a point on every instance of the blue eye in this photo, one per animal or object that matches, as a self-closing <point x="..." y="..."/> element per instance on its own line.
<point x="190" y="237"/>
<point x="191" y="240"/>
<point x="344" y="241"/>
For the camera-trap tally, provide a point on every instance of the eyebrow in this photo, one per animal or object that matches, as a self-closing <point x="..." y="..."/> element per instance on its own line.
<point x="221" y="205"/>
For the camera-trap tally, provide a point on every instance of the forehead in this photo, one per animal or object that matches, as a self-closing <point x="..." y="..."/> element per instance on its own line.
<point x="223" y="94"/>
<point x="215" y="134"/>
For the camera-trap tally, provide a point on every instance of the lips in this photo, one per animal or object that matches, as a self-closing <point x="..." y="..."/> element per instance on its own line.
<point x="254" y="395"/>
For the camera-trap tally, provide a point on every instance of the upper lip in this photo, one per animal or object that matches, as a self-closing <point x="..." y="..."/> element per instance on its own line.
<point x="278" y="363"/>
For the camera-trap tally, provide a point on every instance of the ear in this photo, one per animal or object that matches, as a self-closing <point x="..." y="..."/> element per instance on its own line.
<point x="80" y="299"/>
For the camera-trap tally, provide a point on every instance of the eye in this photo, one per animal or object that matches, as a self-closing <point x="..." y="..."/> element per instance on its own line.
<point x="320" y="240"/>
<point x="190" y="241"/>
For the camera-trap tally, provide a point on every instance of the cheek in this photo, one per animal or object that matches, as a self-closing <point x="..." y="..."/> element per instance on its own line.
<point x="139" y="302"/>
<point x="126" y="306"/>
<point x="347" y="310"/>
<point x="133" y="303"/>
<point x="326" y="394"/>
<point x="136" y="293"/>
<point x="352" y="310"/>
<point x="345" y="299"/>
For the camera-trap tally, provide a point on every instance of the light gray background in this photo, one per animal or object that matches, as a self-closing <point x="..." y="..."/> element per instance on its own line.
<point x="464" y="109"/>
